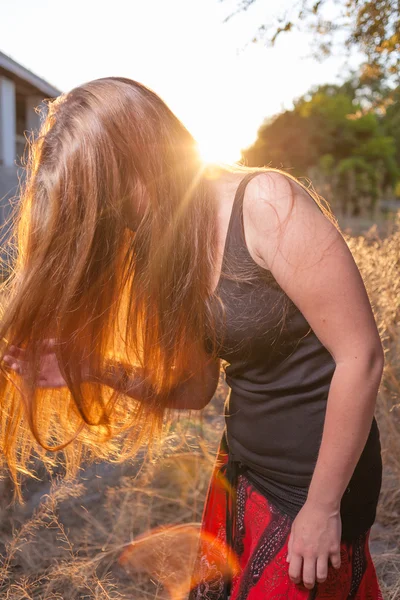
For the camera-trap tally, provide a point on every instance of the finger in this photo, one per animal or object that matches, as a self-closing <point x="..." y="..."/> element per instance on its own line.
<point x="295" y="565"/>
<point x="46" y="344"/>
<point x="289" y="548"/>
<point x="16" y="351"/>
<point x="322" y="568"/>
<point x="335" y="559"/>
<point x="49" y="344"/>
<point x="9" y="360"/>
<point x="309" y="566"/>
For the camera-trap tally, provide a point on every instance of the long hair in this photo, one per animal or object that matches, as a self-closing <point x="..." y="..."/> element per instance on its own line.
<point x="86" y="274"/>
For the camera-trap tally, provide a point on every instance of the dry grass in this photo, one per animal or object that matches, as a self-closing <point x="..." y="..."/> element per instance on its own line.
<point x="379" y="262"/>
<point x="74" y="540"/>
<point x="130" y="530"/>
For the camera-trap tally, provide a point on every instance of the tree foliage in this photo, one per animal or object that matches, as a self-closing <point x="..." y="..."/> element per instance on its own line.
<point x="371" y="26"/>
<point x="352" y="155"/>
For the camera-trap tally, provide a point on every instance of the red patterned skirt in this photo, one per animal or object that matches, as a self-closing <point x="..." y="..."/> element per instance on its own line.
<point x="253" y="566"/>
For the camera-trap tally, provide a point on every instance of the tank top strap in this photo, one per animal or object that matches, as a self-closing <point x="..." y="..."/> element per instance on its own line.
<point x="235" y="238"/>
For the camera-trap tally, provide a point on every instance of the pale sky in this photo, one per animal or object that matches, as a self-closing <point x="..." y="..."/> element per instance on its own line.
<point x="221" y="86"/>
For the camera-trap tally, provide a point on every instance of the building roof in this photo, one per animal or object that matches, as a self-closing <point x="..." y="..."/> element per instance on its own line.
<point x="32" y="83"/>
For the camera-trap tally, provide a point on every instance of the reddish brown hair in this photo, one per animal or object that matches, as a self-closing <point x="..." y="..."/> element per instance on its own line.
<point x="115" y="236"/>
<point x="85" y="276"/>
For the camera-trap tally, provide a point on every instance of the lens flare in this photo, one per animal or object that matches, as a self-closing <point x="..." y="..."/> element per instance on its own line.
<point x="182" y="556"/>
<point x="168" y="555"/>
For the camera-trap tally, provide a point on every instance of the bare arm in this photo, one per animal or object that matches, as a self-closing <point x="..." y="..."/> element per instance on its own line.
<point x="192" y="393"/>
<point x="314" y="266"/>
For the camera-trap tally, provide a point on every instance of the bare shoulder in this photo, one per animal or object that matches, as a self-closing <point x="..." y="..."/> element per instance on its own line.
<point x="314" y="266"/>
<point x="273" y="191"/>
<point x="278" y="211"/>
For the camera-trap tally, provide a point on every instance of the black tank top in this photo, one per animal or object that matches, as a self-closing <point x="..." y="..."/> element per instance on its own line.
<point x="279" y="379"/>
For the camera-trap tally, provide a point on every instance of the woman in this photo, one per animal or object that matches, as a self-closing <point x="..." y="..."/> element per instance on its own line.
<point x="137" y="271"/>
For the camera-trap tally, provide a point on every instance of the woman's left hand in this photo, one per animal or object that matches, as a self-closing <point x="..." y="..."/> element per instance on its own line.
<point x="314" y="541"/>
<point x="49" y="375"/>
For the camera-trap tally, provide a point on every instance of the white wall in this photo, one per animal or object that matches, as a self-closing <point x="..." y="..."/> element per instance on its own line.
<point x="7" y="122"/>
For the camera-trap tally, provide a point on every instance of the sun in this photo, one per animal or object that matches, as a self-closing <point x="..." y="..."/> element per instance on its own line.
<point x="212" y="152"/>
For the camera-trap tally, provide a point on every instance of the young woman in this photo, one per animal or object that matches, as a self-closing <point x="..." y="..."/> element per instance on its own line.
<point x="137" y="271"/>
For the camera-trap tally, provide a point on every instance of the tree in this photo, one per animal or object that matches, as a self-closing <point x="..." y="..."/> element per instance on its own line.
<point x="392" y="121"/>
<point x="372" y="26"/>
<point x="349" y="154"/>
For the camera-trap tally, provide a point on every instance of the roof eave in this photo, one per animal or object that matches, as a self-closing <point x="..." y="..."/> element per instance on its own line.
<point x="18" y="70"/>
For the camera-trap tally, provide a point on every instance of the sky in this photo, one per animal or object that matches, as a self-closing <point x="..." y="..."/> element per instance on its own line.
<point x="220" y="84"/>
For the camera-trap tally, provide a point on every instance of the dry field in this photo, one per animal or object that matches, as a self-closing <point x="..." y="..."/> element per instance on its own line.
<point x="130" y="530"/>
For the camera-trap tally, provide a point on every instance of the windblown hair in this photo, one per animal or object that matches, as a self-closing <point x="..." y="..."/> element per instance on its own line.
<point x="84" y="276"/>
